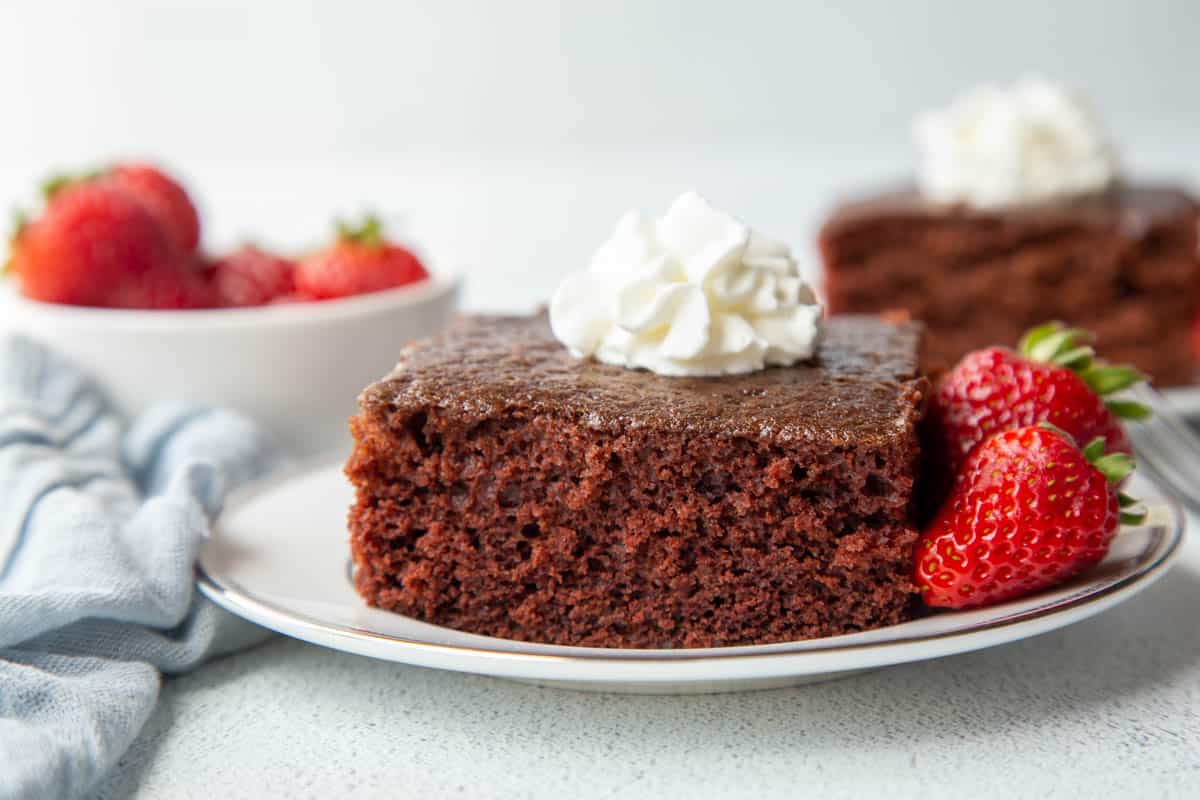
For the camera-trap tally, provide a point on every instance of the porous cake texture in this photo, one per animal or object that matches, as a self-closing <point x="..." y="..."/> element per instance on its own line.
<point x="508" y="489"/>
<point x="1123" y="264"/>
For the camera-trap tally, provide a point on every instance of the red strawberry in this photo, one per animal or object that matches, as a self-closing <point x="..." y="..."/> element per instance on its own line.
<point x="1029" y="510"/>
<point x="171" y="290"/>
<point x="1053" y="378"/>
<point x="164" y="198"/>
<point x="253" y="277"/>
<point x="360" y="261"/>
<point x="95" y="245"/>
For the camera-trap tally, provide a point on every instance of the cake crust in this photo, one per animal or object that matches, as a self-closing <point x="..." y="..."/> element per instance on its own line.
<point x="1134" y="208"/>
<point x="850" y="393"/>
<point x="506" y="488"/>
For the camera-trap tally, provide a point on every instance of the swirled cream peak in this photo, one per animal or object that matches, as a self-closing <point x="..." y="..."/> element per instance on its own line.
<point x="1031" y="142"/>
<point x="693" y="293"/>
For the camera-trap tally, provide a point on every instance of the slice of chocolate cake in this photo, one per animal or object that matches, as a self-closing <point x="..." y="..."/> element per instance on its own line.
<point x="509" y="489"/>
<point x="1021" y="214"/>
<point x="1122" y="263"/>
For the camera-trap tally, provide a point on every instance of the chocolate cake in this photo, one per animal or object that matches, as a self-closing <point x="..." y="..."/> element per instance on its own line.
<point x="1122" y="263"/>
<point x="506" y="488"/>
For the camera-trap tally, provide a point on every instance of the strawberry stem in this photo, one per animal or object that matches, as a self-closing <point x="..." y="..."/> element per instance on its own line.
<point x="369" y="232"/>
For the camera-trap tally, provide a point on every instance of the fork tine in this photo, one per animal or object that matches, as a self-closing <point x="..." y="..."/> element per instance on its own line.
<point x="1165" y="413"/>
<point x="1167" y="447"/>
<point x="1174" y="454"/>
<point x="1150" y="465"/>
<point x="1174" y="436"/>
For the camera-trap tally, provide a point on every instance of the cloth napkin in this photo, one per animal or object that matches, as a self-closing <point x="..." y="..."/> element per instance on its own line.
<point x="100" y="523"/>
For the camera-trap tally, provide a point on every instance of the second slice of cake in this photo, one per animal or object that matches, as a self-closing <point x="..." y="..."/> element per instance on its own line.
<point x="1021" y="214"/>
<point x="509" y="489"/>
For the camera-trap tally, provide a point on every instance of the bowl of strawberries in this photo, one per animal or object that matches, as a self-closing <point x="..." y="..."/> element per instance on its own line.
<point x="110" y="272"/>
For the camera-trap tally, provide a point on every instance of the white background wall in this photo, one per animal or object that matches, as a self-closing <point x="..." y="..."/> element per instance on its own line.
<point x="506" y="136"/>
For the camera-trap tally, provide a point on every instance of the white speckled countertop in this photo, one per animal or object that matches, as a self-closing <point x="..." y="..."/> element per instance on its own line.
<point x="1109" y="707"/>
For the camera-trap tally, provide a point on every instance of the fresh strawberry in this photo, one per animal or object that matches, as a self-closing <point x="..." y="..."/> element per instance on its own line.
<point x="253" y="277"/>
<point x="1029" y="510"/>
<point x="94" y="245"/>
<point x="361" y="260"/>
<point x="164" y="198"/>
<point x="1054" y="377"/>
<point x="170" y="290"/>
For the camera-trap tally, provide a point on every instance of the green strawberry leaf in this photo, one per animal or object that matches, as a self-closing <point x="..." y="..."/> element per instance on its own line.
<point x="1076" y="359"/>
<point x="1105" y="379"/>
<point x="1128" y="409"/>
<point x="1132" y="517"/>
<point x="1056" y="343"/>
<point x="20" y="219"/>
<point x="1115" y="466"/>
<point x="56" y="183"/>
<point x="1035" y="335"/>
<point x="369" y="232"/>
<point x="1094" y="449"/>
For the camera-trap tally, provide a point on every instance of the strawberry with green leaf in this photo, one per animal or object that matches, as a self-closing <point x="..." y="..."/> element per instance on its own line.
<point x="1054" y="376"/>
<point x="96" y="245"/>
<point x="122" y="237"/>
<point x="361" y="260"/>
<point x="1029" y="509"/>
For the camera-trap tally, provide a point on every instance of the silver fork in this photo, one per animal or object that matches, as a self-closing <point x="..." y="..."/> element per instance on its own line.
<point x="1167" y="448"/>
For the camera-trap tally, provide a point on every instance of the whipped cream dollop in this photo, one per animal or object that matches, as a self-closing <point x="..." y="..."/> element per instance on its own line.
<point x="693" y="293"/>
<point x="1032" y="142"/>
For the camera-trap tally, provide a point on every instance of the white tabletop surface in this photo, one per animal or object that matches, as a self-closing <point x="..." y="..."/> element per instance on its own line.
<point x="1109" y="707"/>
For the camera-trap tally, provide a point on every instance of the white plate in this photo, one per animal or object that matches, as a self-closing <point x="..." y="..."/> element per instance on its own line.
<point x="280" y="558"/>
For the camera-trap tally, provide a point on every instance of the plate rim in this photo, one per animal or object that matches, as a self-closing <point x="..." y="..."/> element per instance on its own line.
<point x="802" y="657"/>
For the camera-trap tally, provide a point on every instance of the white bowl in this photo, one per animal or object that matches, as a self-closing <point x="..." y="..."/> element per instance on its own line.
<point x="297" y="369"/>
